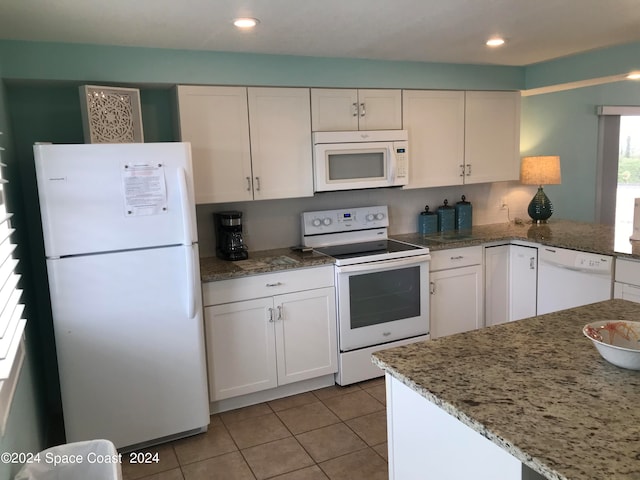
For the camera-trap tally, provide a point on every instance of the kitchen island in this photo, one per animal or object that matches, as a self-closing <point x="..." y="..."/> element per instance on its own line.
<point x="531" y="395"/>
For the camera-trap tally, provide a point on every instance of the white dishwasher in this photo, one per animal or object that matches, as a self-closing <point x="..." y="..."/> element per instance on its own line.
<point x="568" y="278"/>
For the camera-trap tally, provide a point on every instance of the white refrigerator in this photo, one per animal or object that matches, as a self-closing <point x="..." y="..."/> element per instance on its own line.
<point x="122" y="259"/>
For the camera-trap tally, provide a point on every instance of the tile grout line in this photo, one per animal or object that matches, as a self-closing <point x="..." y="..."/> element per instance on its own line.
<point x="226" y="424"/>
<point x="244" y="458"/>
<point x="356" y="433"/>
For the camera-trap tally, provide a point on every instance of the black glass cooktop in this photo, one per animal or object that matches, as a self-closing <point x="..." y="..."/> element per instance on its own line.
<point x="365" y="249"/>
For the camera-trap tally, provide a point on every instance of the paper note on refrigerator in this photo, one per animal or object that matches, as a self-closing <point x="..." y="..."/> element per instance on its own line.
<point x="144" y="189"/>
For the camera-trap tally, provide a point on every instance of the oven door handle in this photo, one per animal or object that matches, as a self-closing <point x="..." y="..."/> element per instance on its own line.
<point x="395" y="263"/>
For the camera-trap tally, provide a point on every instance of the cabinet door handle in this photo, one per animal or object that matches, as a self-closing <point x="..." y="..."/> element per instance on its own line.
<point x="277" y="284"/>
<point x="468" y="169"/>
<point x="355" y="109"/>
<point x="462" y="170"/>
<point x="271" y="319"/>
<point x="258" y="184"/>
<point x="362" y="110"/>
<point x="279" y="313"/>
<point x="532" y="263"/>
<point x="457" y="257"/>
<point x="432" y="288"/>
<point x="248" y="184"/>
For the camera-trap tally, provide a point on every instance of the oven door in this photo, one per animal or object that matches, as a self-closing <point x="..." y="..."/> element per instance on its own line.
<point x="380" y="302"/>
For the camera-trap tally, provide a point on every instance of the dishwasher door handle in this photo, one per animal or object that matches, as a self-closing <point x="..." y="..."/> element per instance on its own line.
<point x="574" y="269"/>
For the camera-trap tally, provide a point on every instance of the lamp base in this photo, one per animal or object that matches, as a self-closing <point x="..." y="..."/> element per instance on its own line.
<point x="540" y="208"/>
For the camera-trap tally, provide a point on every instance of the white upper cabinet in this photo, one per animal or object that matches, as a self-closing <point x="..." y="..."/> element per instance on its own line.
<point x="216" y="123"/>
<point x="435" y="122"/>
<point x="458" y="138"/>
<point x="338" y="109"/>
<point x="280" y="125"/>
<point x="492" y="136"/>
<point x="247" y="143"/>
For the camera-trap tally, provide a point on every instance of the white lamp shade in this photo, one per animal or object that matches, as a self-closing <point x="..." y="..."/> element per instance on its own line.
<point x="541" y="170"/>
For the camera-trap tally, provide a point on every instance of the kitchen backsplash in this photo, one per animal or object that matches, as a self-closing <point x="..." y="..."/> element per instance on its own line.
<point x="271" y="224"/>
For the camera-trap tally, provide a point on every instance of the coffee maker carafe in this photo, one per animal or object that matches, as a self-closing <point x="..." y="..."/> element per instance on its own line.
<point x="229" y="242"/>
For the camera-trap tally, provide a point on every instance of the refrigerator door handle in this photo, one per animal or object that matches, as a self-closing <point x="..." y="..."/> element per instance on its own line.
<point x="191" y="281"/>
<point x="187" y="221"/>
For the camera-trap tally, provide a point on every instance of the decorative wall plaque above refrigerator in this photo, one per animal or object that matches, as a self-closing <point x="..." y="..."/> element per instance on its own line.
<point x="111" y="114"/>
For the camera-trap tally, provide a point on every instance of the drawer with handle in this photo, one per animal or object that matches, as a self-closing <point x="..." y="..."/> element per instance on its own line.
<point x="266" y="285"/>
<point x="455" y="258"/>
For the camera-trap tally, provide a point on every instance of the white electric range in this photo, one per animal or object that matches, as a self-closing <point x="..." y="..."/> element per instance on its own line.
<point x="382" y="285"/>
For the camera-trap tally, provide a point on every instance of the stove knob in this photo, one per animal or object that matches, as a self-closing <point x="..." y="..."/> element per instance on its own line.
<point x="316" y="222"/>
<point x="370" y="217"/>
<point x="326" y="221"/>
<point x="379" y="216"/>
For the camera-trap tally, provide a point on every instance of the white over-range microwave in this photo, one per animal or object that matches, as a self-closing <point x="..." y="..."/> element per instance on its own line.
<point x="362" y="159"/>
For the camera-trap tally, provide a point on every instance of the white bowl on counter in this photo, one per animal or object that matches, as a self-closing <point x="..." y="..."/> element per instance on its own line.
<point x="618" y="341"/>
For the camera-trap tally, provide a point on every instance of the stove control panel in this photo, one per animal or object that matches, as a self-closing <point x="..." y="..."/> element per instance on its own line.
<point x="344" y="220"/>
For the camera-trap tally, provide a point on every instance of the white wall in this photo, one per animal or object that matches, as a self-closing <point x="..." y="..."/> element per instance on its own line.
<point x="276" y="223"/>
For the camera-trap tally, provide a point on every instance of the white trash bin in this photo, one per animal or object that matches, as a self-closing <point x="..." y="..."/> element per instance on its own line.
<point x="90" y="460"/>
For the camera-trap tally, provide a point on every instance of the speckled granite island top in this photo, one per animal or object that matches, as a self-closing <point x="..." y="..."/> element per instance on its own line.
<point x="537" y="388"/>
<point x="265" y="261"/>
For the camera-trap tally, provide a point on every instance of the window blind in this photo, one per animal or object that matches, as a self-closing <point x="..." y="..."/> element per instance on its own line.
<point x="11" y="322"/>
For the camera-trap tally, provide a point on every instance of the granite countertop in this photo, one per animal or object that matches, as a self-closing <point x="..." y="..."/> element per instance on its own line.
<point x="264" y="261"/>
<point x="538" y="389"/>
<point x="588" y="237"/>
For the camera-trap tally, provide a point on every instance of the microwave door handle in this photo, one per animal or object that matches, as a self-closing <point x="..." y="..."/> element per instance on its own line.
<point x="363" y="267"/>
<point x="393" y="165"/>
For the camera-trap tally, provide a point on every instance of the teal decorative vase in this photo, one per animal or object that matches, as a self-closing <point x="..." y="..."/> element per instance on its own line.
<point x="540" y="208"/>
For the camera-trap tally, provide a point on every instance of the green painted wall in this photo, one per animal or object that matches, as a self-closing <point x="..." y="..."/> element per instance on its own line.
<point x="24" y="430"/>
<point x="87" y="63"/>
<point x="565" y="123"/>
<point x="600" y="63"/>
<point x="51" y="113"/>
<point x="25" y="424"/>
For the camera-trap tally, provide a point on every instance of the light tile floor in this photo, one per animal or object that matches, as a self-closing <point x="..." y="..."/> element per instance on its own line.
<point x="333" y="433"/>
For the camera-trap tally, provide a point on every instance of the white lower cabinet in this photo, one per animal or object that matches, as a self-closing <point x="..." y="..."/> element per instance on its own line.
<point x="523" y="281"/>
<point x="457" y="292"/>
<point x="627" y="280"/>
<point x="510" y="283"/>
<point x="427" y="442"/>
<point x="306" y="340"/>
<point x="267" y="342"/>
<point x="241" y="352"/>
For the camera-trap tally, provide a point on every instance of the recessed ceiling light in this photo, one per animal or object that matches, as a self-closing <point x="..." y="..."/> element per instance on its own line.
<point x="634" y="76"/>
<point x="495" y="42"/>
<point x="246" y="22"/>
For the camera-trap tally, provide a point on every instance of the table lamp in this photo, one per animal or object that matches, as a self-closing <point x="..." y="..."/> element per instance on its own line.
<point x="541" y="170"/>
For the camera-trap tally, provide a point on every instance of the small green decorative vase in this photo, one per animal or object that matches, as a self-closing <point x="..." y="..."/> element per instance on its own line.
<point x="540" y="208"/>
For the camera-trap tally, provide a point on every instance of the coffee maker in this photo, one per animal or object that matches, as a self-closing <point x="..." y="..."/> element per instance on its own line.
<point x="229" y="242"/>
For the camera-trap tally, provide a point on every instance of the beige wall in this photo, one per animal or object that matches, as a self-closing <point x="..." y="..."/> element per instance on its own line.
<point x="276" y="223"/>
